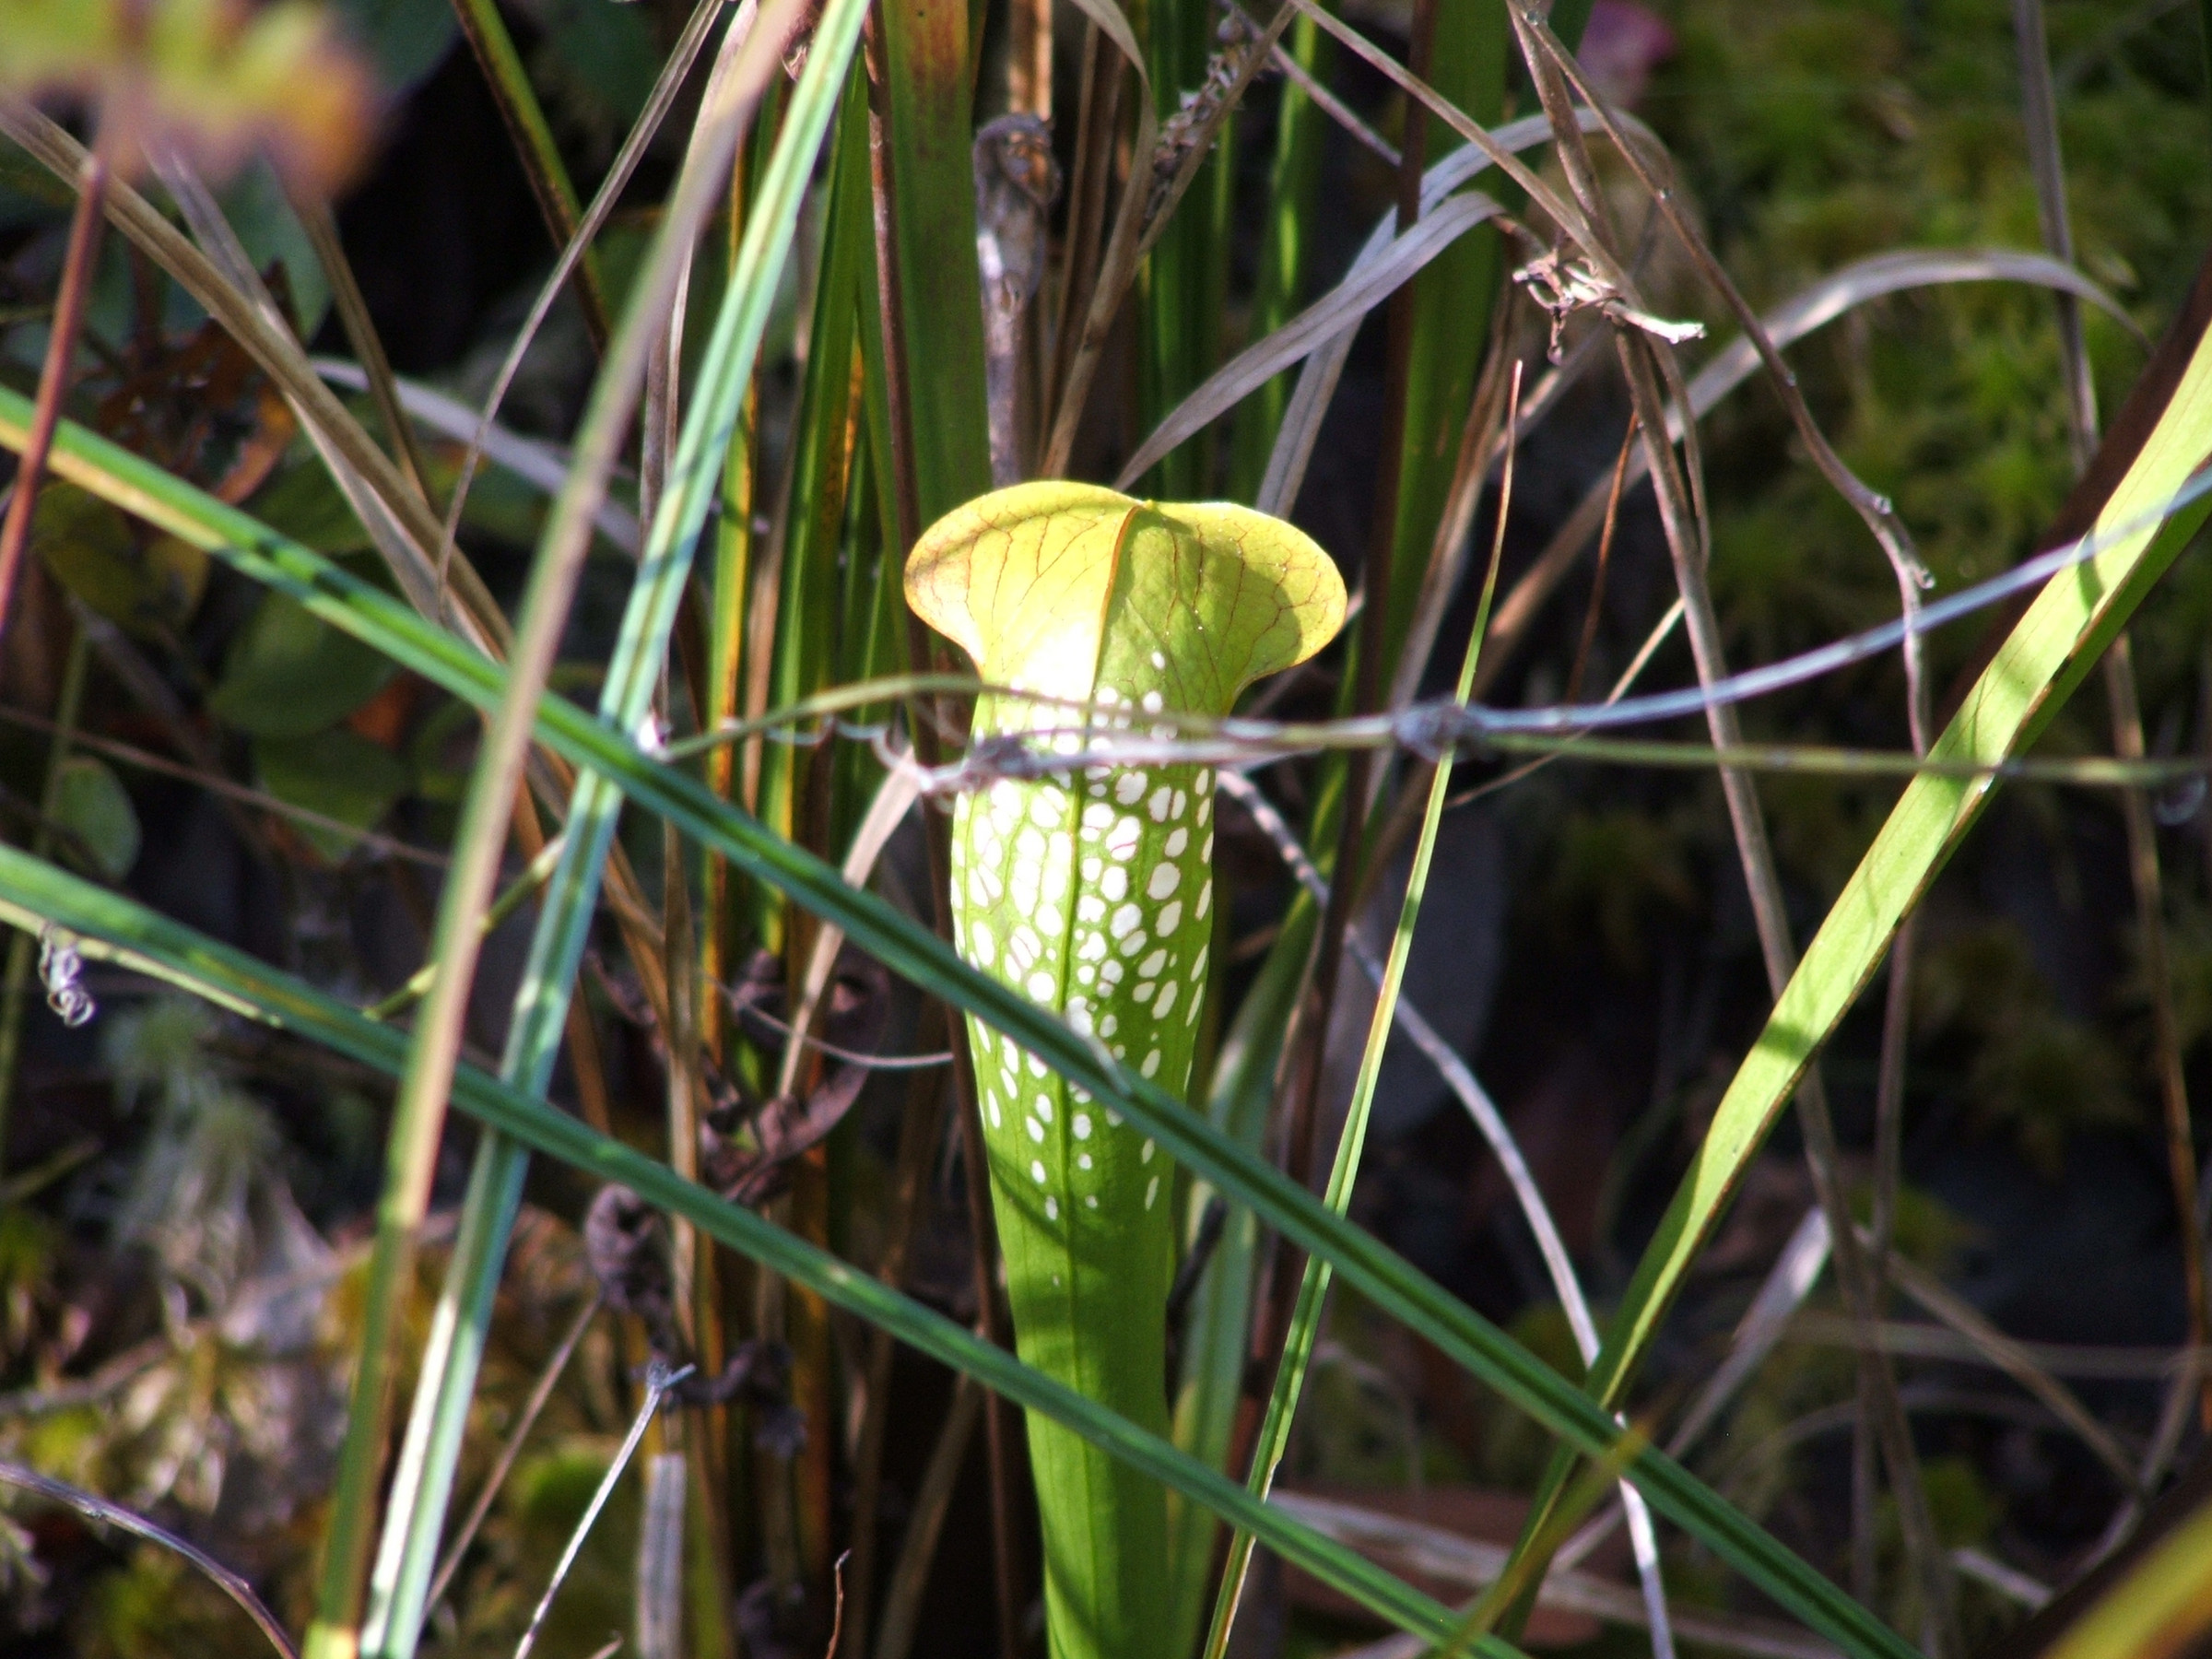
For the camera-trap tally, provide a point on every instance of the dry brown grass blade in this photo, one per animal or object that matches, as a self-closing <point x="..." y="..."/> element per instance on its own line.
<point x="1644" y="362"/>
<point x="2013" y="1358"/>
<point x="1876" y="511"/>
<point x="1117" y="267"/>
<point x="603" y="202"/>
<point x="1823" y="302"/>
<point x="377" y="489"/>
<point x="352" y="307"/>
<point x="1431" y="1552"/>
<point x="1368" y="285"/>
<point x="1253" y="53"/>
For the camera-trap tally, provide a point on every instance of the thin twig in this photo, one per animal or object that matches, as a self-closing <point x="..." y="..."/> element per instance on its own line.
<point x="603" y="205"/>
<point x="1875" y="510"/>
<point x="391" y="846"/>
<point x="1116" y="269"/>
<point x="1684" y="525"/>
<point x="1605" y="557"/>
<point x="1327" y="102"/>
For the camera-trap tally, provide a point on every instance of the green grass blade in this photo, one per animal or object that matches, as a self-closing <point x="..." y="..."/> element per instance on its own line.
<point x="2066" y="629"/>
<point x="33" y="893"/>
<point x="814" y="513"/>
<point x="1314" y="1283"/>
<point x="1184" y="284"/>
<point x="1293" y="188"/>
<point x="1451" y="303"/>
<point x="911" y="952"/>
<point x="936" y="291"/>
<point x="534" y="144"/>
<point x="423" y="1484"/>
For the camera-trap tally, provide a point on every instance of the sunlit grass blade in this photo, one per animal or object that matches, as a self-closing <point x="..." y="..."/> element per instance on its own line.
<point x="909" y="951"/>
<point x="2066" y="629"/>
<point x="116" y="928"/>
<point x="424" y="1484"/>
<point x="1314" y="1283"/>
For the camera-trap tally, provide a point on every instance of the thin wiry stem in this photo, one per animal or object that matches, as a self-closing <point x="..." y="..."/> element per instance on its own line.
<point x="534" y="144"/>
<point x="78" y="265"/>
<point x="465" y="1533"/>
<point x="594" y="219"/>
<point x="99" y="1509"/>
<point x="1875" y="510"/>
<point x="1684" y="526"/>
<point x="659" y="1379"/>
<point x="2040" y="114"/>
<point x="1597" y="581"/>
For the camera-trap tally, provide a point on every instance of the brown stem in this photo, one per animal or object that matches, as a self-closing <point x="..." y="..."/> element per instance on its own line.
<point x="1873" y="510"/>
<point x="1028" y="81"/>
<point x="54" y="379"/>
<point x="1308" y="1042"/>
<point x="465" y="1533"/>
<point x="508" y="82"/>
<point x="2157" y="969"/>
<point x="1097" y="103"/>
<point x="352" y="307"/>
<point x="921" y="1130"/>
<point x="1605" y="559"/>
<point x="1682" y="524"/>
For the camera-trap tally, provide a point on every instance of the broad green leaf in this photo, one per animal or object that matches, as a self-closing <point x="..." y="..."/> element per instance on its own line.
<point x="1092" y="895"/>
<point x="337" y="772"/>
<point x="149" y="584"/>
<point x="91" y="804"/>
<point x="288" y="674"/>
